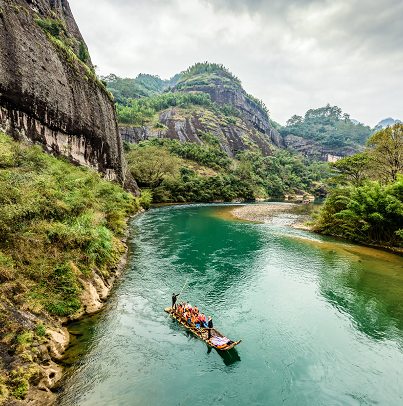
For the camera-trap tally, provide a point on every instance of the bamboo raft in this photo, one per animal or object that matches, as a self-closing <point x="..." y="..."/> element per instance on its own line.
<point x="203" y="332"/>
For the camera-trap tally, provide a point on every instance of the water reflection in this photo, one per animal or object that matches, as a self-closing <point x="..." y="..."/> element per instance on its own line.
<point x="230" y="357"/>
<point x="363" y="283"/>
<point x="369" y="296"/>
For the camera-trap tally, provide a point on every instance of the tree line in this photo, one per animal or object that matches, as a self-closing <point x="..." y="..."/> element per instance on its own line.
<point x="188" y="172"/>
<point x="141" y="111"/>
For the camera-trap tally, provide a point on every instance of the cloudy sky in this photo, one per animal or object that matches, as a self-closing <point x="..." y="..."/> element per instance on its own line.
<point x="292" y="54"/>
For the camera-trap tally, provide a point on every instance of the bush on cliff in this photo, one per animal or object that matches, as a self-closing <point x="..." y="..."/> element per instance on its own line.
<point x="58" y="223"/>
<point x="83" y="54"/>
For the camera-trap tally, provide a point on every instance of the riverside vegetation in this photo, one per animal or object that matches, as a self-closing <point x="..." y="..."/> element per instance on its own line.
<point x="366" y="202"/>
<point x="58" y="223"/>
<point x="175" y="172"/>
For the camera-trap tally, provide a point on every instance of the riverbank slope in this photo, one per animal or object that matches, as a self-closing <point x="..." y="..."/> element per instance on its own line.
<point x="62" y="245"/>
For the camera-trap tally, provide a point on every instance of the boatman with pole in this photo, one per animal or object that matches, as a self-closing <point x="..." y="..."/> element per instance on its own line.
<point x="174" y="299"/>
<point x="210" y="326"/>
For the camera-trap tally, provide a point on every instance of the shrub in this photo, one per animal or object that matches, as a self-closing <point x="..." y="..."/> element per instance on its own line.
<point x="83" y="53"/>
<point x="146" y="198"/>
<point x="40" y="330"/>
<point x="53" y="27"/>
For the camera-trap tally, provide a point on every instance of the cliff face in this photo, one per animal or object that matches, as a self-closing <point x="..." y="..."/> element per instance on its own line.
<point x="252" y="128"/>
<point x="188" y="127"/>
<point x="222" y="91"/>
<point x="48" y="96"/>
<point x="312" y="149"/>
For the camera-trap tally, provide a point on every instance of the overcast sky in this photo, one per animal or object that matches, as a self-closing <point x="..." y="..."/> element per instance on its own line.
<point x="292" y="54"/>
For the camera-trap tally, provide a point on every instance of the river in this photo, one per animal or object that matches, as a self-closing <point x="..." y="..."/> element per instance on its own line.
<point x="321" y="319"/>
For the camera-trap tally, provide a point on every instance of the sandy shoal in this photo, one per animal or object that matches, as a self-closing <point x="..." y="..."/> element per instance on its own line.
<point x="261" y="212"/>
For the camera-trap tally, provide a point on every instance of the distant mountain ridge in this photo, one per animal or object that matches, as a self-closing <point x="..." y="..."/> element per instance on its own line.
<point x="388" y="121"/>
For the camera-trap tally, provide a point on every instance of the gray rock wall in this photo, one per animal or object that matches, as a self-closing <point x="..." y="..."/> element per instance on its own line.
<point x="233" y="137"/>
<point x="311" y="149"/>
<point x="252" y="113"/>
<point x="48" y="97"/>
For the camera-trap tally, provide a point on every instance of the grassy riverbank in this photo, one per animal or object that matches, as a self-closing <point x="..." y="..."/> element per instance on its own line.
<point x="58" y="224"/>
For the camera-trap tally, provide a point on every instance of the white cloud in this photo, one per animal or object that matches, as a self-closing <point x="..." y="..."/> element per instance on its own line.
<point x="294" y="55"/>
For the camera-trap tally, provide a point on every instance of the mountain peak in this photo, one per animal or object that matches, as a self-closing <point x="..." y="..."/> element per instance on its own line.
<point x="388" y="121"/>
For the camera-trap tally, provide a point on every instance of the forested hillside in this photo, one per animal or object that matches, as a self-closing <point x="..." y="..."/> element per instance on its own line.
<point x="329" y="127"/>
<point x="169" y="171"/>
<point x="142" y="107"/>
<point x="208" y="99"/>
<point x="126" y="90"/>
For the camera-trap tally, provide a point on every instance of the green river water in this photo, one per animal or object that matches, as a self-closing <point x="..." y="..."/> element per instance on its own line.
<point x="321" y="319"/>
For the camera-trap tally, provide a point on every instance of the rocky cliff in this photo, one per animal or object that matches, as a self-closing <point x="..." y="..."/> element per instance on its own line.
<point x="251" y="128"/>
<point x="314" y="150"/>
<point x="186" y="126"/>
<point x="48" y="96"/>
<point x="223" y="90"/>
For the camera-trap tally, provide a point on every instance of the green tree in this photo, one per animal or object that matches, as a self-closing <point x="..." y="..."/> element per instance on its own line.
<point x="351" y="169"/>
<point x="372" y="213"/>
<point x="83" y="54"/>
<point x="387" y="152"/>
<point x="149" y="165"/>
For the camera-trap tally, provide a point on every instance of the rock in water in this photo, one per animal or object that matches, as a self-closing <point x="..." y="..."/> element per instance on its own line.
<point x="49" y="96"/>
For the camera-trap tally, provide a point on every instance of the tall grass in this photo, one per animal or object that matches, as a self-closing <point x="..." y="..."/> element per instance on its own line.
<point x="58" y="223"/>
